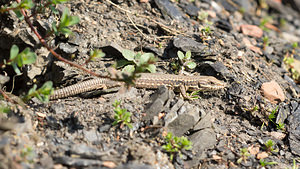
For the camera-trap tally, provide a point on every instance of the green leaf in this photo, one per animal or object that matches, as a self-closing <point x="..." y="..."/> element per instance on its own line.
<point x="191" y="65"/>
<point x="188" y="55"/>
<point x="122" y="63"/>
<point x="128" y="54"/>
<point x="73" y="20"/>
<point x="27" y="4"/>
<point x="53" y="9"/>
<point x="54" y="28"/>
<point x="14" y="50"/>
<point x="145" y="58"/>
<point x="64" y="18"/>
<point x="47" y="88"/>
<point x="128" y="69"/>
<point x="180" y="55"/>
<point x="19" y="14"/>
<point x="28" y="57"/>
<point x="16" y="69"/>
<point x="59" y="1"/>
<point x="151" y="68"/>
<point x="65" y="31"/>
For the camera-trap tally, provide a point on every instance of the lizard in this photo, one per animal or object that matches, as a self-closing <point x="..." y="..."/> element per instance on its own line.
<point x="148" y="81"/>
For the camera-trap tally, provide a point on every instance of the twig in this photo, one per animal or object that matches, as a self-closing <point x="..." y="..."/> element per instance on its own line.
<point x="136" y="26"/>
<point x="6" y="96"/>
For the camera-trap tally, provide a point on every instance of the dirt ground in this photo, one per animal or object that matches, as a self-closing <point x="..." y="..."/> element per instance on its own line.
<point x="245" y="44"/>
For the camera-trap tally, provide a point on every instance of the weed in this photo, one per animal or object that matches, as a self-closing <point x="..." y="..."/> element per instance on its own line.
<point x="18" y="60"/>
<point x="269" y="146"/>
<point x="4" y="109"/>
<point x="272" y="117"/>
<point x="244" y="155"/>
<point x="136" y="62"/>
<point x="242" y="10"/>
<point x="42" y="93"/>
<point x="121" y="116"/>
<point x="183" y="62"/>
<point x="206" y="31"/>
<point x="295" y="166"/>
<point x="94" y="55"/>
<point x="28" y="154"/>
<point x="282" y="22"/>
<point x="264" y="163"/>
<point x="263" y="23"/>
<point x="265" y="42"/>
<point x="176" y="145"/>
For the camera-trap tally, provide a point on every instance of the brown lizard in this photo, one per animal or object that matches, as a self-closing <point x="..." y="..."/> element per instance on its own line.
<point x="148" y="81"/>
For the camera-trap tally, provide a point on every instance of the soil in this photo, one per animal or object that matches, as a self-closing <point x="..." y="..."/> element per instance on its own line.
<point x="77" y="132"/>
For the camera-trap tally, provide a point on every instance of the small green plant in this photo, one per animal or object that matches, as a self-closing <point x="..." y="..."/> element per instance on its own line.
<point x="280" y="126"/>
<point x="137" y="62"/>
<point x="244" y="155"/>
<point x="42" y="93"/>
<point x="121" y="116"/>
<point x="282" y="22"/>
<point x="18" y="60"/>
<point x="94" y="55"/>
<point x="242" y="10"/>
<point x="206" y="31"/>
<point x="295" y="166"/>
<point x="265" y="42"/>
<point x="176" y="144"/>
<point x="269" y="146"/>
<point x="4" y="109"/>
<point x="16" y="7"/>
<point x="66" y="21"/>
<point x="183" y="62"/>
<point x="202" y="16"/>
<point x="263" y="23"/>
<point x="28" y="154"/>
<point x="272" y="117"/>
<point x="264" y="163"/>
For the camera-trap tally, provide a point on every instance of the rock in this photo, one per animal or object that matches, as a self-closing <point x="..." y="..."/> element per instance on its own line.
<point x="169" y="9"/>
<point x="294" y="131"/>
<point x="278" y="135"/>
<point x="214" y="68"/>
<point x="224" y="25"/>
<point x="67" y="48"/>
<point x="191" y="10"/>
<point x="252" y="30"/>
<point x="205" y="122"/>
<point x="172" y="114"/>
<point x="134" y="166"/>
<point x="188" y="116"/>
<point x="92" y="136"/>
<point x="290" y="37"/>
<point x="273" y="92"/>
<point x="160" y="102"/>
<point x="203" y="139"/>
<point x="84" y="151"/>
<point x="77" y="162"/>
<point x="3" y="79"/>
<point x="262" y="155"/>
<point x="143" y="153"/>
<point x="292" y="83"/>
<point x="188" y="44"/>
<point x="112" y="49"/>
<point x="251" y="46"/>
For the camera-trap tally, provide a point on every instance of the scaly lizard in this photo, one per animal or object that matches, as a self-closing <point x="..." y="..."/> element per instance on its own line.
<point x="148" y="81"/>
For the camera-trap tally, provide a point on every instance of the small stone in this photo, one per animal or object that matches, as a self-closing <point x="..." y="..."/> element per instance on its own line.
<point x="273" y="92"/>
<point x="262" y="155"/>
<point x="278" y="135"/>
<point x="252" y="30"/>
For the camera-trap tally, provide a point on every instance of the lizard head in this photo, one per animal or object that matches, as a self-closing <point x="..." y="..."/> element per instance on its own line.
<point x="209" y="83"/>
